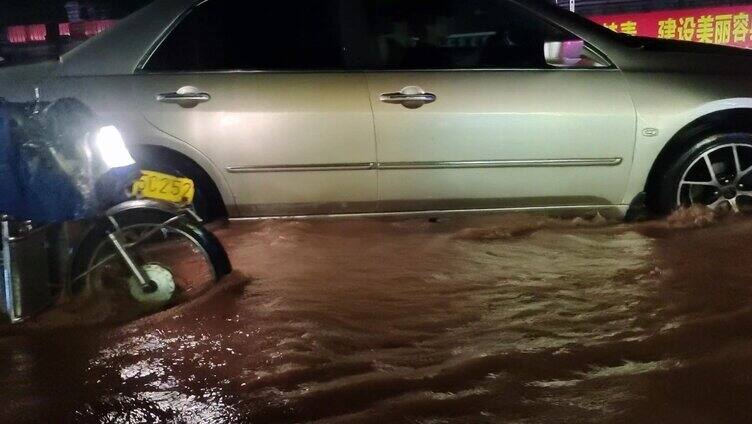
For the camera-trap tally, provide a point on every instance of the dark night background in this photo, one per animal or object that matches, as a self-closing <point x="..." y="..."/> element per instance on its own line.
<point x="51" y="13"/>
<point x="14" y="12"/>
<point x="46" y="11"/>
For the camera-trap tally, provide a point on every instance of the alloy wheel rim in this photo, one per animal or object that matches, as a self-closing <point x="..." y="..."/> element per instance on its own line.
<point x="718" y="179"/>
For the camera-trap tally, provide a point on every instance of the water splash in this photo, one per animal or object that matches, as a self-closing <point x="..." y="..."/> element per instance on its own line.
<point x="514" y="318"/>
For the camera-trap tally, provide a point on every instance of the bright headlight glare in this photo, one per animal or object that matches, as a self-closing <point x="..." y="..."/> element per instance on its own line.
<point x="112" y="148"/>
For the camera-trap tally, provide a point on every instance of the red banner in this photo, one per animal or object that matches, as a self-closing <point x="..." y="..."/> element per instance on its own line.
<point x="718" y="25"/>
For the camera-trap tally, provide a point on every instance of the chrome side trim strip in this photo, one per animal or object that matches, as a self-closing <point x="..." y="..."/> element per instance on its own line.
<point x="364" y="166"/>
<point x="471" y="164"/>
<point x="391" y="166"/>
<point x="611" y="68"/>
<point x="499" y="164"/>
<point x="619" y="210"/>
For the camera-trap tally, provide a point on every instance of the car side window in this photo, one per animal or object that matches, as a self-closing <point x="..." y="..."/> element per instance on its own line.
<point x="464" y="34"/>
<point x="237" y="35"/>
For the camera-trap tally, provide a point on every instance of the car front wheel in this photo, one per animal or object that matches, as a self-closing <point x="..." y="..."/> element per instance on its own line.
<point x="716" y="173"/>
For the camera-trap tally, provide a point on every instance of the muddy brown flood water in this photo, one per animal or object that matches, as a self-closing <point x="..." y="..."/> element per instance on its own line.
<point x="474" y="320"/>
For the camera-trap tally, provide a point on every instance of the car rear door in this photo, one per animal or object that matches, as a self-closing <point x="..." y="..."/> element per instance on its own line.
<point x="469" y="114"/>
<point x="259" y="89"/>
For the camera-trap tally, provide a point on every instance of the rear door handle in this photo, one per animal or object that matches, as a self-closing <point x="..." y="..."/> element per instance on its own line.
<point x="410" y="97"/>
<point x="399" y="98"/>
<point x="186" y="97"/>
<point x="175" y="98"/>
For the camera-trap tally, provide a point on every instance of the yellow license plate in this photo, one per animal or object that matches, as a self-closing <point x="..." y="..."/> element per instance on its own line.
<point x="159" y="186"/>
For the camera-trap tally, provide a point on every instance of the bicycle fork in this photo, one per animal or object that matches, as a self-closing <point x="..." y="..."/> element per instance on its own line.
<point x="146" y="284"/>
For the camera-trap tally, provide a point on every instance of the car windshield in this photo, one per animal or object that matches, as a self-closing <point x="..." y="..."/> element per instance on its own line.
<point x="33" y="31"/>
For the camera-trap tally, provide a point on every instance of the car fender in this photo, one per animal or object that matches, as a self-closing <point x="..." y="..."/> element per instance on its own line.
<point x="154" y="137"/>
<point x="653" y="137"/>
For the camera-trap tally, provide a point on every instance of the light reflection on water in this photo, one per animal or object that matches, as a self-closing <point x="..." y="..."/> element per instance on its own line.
<point x="488" y="319"/>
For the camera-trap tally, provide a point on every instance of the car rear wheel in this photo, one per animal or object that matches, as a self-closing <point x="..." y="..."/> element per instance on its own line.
<point x="716" y="173"/>
<point x="207" y="201"/>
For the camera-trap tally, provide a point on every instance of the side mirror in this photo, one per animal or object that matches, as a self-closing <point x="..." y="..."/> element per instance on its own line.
<point x="564" y="53"/>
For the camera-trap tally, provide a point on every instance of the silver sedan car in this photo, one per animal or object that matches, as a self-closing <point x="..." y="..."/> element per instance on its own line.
<point x="327" y="107"/>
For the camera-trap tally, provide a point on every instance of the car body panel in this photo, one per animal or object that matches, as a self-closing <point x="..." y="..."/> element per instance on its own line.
<point x="272" y="133"/>
<point x="23" y="82"/>
<point x="666" y="84"/>
<point x="673" y="84"/>
<point x="518" y="124"/>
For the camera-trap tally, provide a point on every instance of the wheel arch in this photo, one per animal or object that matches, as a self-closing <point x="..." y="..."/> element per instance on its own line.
<point x="718" y="122"/>
<point x="215" y="195"/>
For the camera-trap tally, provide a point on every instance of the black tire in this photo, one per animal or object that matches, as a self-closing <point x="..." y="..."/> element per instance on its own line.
<point x="207" y="202"/>
<point x="664" y="196"/>
<point x="82" y="259"/>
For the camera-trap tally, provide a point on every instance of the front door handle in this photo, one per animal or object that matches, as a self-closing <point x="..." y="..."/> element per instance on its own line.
<point x="410" y="97"/>
<point x="186" y="97"/>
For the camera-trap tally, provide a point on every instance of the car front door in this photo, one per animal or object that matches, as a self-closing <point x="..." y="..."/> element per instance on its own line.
<point x="258" y="89"/>
<point x="469" y="113"/>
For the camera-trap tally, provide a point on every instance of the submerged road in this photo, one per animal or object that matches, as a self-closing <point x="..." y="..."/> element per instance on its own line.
<point x="511" y="318"/>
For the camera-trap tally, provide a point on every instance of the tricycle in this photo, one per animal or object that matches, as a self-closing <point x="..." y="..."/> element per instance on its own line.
<point x="79" y="217"/>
